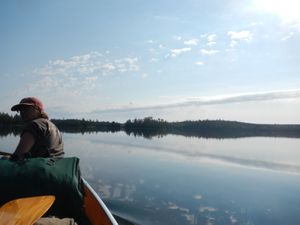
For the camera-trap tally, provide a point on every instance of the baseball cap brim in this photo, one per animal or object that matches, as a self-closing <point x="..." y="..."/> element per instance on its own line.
<point x="20" y="106"/>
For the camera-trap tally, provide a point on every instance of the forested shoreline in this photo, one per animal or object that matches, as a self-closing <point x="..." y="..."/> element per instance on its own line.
<point x="149" y="127"/>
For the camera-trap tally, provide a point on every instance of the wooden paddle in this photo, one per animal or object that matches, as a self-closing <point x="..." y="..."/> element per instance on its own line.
<point x="25" y="211"/>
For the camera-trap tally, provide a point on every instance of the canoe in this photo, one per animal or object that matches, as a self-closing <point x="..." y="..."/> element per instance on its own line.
<point x="27" y="210"/>
<point x="94" y="208"/>
<point x="29" y="179"/>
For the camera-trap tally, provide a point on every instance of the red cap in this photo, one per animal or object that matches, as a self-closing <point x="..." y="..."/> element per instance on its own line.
<point x="30" y="101"/>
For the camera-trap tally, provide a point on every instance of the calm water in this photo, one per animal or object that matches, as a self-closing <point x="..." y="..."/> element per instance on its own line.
<point x="179" y="180"/>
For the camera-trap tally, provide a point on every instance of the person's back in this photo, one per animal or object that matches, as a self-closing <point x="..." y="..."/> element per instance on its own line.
<point x="40" y="137"/>
<point x="48" y="140"/>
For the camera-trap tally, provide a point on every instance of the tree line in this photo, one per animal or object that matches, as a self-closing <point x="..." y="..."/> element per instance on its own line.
<point x="82" y="125"/>
<point x="10" y="124"/>
<point x="8" y="120"/>
<point x="149" y="127"/>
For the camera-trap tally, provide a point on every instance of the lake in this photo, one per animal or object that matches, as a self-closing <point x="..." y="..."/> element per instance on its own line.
<point x="179" y="180"/>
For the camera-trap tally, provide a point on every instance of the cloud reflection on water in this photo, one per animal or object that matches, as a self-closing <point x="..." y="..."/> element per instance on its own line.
<point x="250" y="163"/>
<point x="204" y="199"/>
<point x="122" y="192"/>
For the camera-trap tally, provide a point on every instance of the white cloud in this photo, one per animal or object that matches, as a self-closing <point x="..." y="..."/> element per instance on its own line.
<point x="239" y="36"/>
<point x="108" y="67"/>
<point x="190" y="218"/>
<point x="211" y="39"/>
<point x="172" y="205"/>
<point x="244" y="35"/>
<point x="79" y="73"/>
<point x="179" y="51"/>
<point x="132" y="61"/>
<point x="198" y="197"/>
<point x="154" y="59"/>
<point x="88" y="64"/>
<point x="233" y="43"/>
<point x="144" y="75"/>
<point x="161" y="46"/>
<point x="215" y="100"/>
<point x="245" y="97"/>
<point x="232" y="219"/>
<point x="92" y="79"/>
<point x="207" y="209"/>
<point x="84" y="58"/>
<point x="199" y="63"/>
<point x="157" y="49"/>
<point x="290" y="35"/>
<point x="191" y="42"/>
<point x="177" y="38"/>
<point x="89" y="82"/>
<point x="209" y="52"/>
<point x="211" y="43"/>
<point x="48" y="82"/>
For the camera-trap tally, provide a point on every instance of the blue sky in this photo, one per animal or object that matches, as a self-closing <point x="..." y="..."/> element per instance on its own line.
<point x="176" y="60"/>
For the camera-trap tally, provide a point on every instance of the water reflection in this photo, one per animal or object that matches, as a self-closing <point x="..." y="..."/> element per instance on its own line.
<point x="141" y="204"/>
<point x="178" y="180"/>
<point x="218" y="132"/>
<point x="8" y="131"/>
<point x="267" y="157"/>
<point x="171" y="180"/>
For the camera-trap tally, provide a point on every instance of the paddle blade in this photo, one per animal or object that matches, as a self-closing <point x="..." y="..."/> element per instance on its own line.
<point x="25" y="211"/>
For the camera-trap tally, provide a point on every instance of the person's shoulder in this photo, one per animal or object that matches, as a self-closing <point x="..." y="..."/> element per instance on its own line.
<point x="40" y="120"/>
<point x="44" y="123"/>
<point x="35" y="127"/>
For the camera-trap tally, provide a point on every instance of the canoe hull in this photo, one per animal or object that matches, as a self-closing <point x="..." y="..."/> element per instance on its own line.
<point x="94" y="207"/>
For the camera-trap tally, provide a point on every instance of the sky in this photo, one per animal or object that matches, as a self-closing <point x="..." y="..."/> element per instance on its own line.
<point x="114" y="60"/>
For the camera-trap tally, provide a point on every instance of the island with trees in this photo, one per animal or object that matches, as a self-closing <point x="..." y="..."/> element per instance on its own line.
<point x="149" y="127"/>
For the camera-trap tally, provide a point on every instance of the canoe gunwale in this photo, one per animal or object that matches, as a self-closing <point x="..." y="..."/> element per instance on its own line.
<point x="100" y="202"/>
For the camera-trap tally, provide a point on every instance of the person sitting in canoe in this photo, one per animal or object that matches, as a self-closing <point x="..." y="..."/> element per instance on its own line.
<point x="40" y="137"/>
<point x="42" y="181"/>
